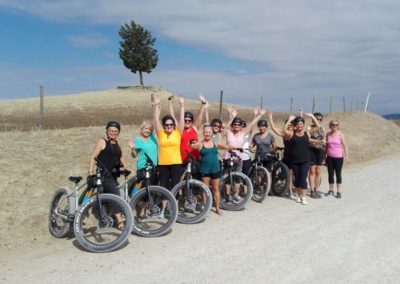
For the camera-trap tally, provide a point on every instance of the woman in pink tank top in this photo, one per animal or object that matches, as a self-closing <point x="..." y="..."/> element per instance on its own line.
<point x="336" y="151"/>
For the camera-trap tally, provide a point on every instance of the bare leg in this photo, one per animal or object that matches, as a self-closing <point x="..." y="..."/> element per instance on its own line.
<point x="216" y="195"/>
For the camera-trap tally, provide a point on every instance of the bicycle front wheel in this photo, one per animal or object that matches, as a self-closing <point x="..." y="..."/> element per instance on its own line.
<point x="236" y="191"/>
<point x="59" y="218"/>
<point x="261" y="184"/>
<point x="154" y="210"/>
<point x="103" y="223"/>
<point x="194" y="201"/>
<point x="280" y="178"/>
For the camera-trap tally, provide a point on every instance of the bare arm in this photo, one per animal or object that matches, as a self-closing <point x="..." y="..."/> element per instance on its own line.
<point x="199" y="118"/>
<point x="277" y="131"/>
<point x="206" y="106"/>
<point x="288" y="133"/>
<point x="100" y="145"/>
<point x="156" y="113"/>
<point x="181" y="123"/>
<point x="345" y="148"/>
<point x="171" y="108"/>
<point x="314" y="120"/>
<point x="261" y="112"/>
<point x="131" y="145"/>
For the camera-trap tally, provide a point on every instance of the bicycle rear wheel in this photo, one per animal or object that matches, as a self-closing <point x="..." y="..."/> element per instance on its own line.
<point x="236" y="191"/>
<point x="96" y="227"/>
<point x="280" y="178"/>
<point x="194" y="201"/>
<point x="261" y="184"/>
<point x="150" y="220"/>
<point x="59" y="218"/>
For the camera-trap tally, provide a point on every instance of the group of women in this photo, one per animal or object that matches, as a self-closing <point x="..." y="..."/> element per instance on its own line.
<point x="170" y="142"/>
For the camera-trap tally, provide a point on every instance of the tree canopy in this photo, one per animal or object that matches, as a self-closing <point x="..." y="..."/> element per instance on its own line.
<point x="136" y="49"/>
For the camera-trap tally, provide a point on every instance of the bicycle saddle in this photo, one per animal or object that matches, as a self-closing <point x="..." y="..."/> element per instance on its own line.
<point x="75" y="179"/>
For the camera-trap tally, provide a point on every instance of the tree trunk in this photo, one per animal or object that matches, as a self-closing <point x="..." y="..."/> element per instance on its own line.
<point x="141" y="78"/>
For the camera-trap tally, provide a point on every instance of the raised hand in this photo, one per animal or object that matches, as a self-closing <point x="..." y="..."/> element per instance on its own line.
<point x="131" y="145"/>
<point x="202" y="99"/>
<point x="181" y="100"/>
<point x="256" y="111"/>
<point x="262" y="112"/>
<point x="156" y="100"/>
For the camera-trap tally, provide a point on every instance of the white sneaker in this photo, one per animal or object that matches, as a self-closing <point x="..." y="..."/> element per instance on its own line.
<point x="298" y="199"/>
<point x="161" y="216"/>
<point x="304" y="201"/>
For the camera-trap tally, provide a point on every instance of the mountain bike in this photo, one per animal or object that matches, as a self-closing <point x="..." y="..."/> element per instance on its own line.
<point x="154" y="207"/>
<point x="279" y="173"/>
<point x="236" y="188"/>
<point x="260" y="179"/>
<point x="94" y="220"/>
<point x="193" y="196"/>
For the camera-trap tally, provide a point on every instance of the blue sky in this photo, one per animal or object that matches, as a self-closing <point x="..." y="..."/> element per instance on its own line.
<point x="274" y="49"/>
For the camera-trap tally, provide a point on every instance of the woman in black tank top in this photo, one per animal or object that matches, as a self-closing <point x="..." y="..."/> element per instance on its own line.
<point x="108" y="152"/>
<point x="299" y="154"/>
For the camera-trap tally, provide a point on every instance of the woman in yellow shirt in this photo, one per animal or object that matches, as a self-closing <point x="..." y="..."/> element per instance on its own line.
<point x="169" y="134"/>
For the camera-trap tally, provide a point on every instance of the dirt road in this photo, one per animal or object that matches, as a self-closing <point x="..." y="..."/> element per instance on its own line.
<point x="355" y="239"/>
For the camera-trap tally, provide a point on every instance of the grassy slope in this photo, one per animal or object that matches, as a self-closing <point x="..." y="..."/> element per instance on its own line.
<point x="35" y="163"/>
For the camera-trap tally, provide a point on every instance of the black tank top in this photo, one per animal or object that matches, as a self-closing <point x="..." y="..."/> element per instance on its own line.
<point x="300" y="152"/>
<point x="110" y="156"/>
<point x="286" y="151"/>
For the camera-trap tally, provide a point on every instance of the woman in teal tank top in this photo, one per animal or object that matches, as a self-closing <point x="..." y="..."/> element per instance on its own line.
<point x="210" y="170"/>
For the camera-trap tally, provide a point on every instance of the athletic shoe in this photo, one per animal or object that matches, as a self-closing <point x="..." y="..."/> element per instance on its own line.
<point x="199" y="207"/>
<point x="298" y="199"/>
<point x="338" y="195"/>
<point x="237" y="198"/>
<point x="161" y="216"/>
<point x="313" y="194"/>
<point x="330" y="192"/>
<point x="189" y="207"/>
<point x="304" y="201"/>
<point x="228" y="199"/>
<point x="318" y="195"/>
<point x="292" y="196"/>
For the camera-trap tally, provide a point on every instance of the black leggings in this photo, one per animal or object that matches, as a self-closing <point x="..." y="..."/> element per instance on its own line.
<point x="334" y="166"/>
<point x="169" y="175"/>
<point x="300" y="173"/>
<point x="110" y="186"/>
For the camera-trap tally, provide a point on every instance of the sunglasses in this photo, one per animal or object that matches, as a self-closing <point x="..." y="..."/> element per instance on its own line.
<point x="168" y="124"/>
<point x="334" y="124"/>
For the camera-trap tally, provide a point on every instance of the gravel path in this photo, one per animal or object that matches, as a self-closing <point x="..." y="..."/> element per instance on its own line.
<point x="354" y="239"/>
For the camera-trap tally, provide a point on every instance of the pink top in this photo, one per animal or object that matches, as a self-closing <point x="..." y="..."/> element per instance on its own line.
<point x="334" y="145"/>
<point x="234" y="140"/>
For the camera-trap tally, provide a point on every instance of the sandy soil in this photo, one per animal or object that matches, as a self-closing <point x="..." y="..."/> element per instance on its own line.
<point x="349" y="240"/>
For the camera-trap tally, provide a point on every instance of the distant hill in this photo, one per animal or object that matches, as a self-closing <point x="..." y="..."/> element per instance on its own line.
<point x="392" y="116"/>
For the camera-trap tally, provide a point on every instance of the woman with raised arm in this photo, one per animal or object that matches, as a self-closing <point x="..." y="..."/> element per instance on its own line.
<point x="108" y="152"/>
<point x="169" y="133"/>
<point x="190" y="129"/>
<point x="317" y="156"/>
<point x="286" y="152"/>
<point x="336" y="150"/>
<point x="300" y="153"/>
<point x="210" y="170"/>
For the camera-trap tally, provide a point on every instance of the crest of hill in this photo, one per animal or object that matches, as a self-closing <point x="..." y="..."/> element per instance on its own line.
<point x="127" y="105"/>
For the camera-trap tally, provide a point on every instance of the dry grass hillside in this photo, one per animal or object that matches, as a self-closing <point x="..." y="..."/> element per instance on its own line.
<point x="129" y="106"/>
<point x="35" y="163"/>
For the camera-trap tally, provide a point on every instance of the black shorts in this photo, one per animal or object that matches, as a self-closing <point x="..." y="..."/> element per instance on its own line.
<point x="317" y="156"/>
<point x="216" y="175"/>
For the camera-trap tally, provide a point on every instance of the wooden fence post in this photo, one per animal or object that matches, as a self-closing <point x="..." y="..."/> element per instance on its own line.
<point x="41" y="113"/>
<point x="344" y="104"/>
<point x="291" y="105"/>
<point x="220" y="104"/>
<point x="313" y="105"/>
<point x="261" y="102"/>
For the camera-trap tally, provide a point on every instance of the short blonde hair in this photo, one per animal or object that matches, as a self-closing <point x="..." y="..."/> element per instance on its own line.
<point x="147" y="124"/>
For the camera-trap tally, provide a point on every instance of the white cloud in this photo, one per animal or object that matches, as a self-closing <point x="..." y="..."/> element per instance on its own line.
<point x="312" y="47"/>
